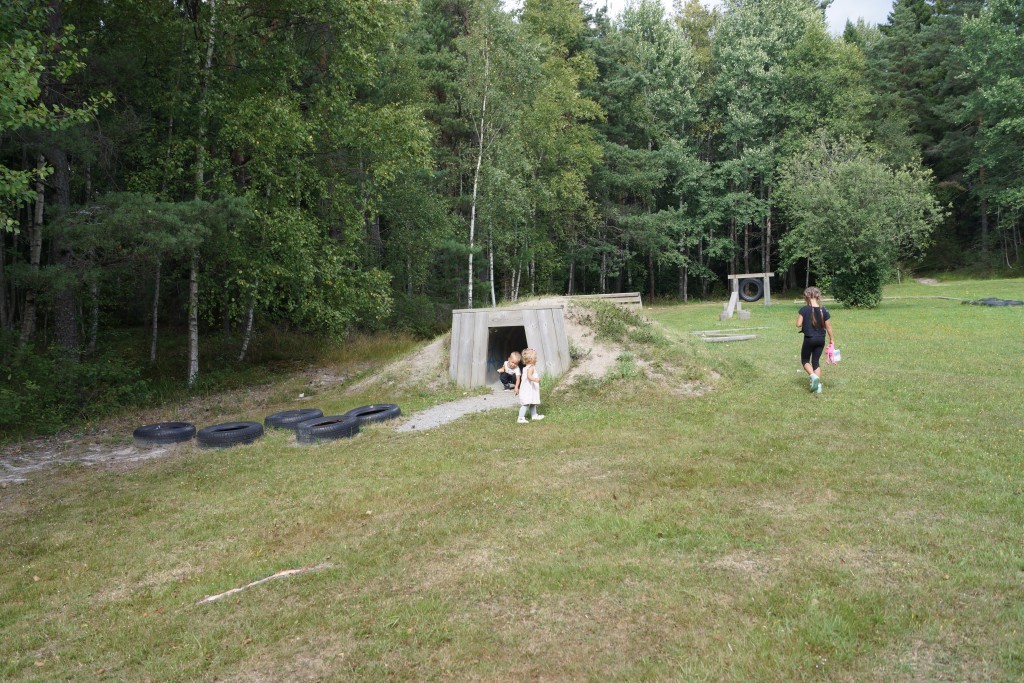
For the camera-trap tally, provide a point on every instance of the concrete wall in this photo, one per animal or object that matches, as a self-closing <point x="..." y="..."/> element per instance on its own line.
<point x="479" y="345"/>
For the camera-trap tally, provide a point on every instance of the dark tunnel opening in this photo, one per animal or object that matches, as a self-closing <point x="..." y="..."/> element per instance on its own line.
<point x="501" y="341"/>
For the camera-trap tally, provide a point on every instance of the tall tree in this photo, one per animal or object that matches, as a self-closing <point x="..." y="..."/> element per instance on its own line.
<point x="489" y="54"/>
<point x="41" y="54"/>
<point x="780" y="77"/>
<point x="648" y="77"/>
<point x="994" y="61"/>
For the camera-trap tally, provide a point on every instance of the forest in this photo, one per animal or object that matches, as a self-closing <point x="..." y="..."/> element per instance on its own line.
<point x="190" y="169"/>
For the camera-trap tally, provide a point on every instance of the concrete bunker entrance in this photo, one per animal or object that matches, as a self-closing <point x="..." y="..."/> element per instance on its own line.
<point x="483" y="338"/>
<point x="501" y="341"/>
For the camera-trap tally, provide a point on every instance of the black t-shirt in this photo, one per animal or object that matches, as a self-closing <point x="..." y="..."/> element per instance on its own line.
<point x="820" y="315"/>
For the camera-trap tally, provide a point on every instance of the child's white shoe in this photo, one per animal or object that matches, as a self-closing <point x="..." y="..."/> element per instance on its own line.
<point x="538" y="417"/>
<point x="522" y="420"/>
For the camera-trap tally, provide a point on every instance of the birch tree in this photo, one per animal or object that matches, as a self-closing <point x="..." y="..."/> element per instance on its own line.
<point x="488" y="51"/>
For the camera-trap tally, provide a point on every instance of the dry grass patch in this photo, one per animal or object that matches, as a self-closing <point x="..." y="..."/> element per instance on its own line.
<point x="300" y="659"/>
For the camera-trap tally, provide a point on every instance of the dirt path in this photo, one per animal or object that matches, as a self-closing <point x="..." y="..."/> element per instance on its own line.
<point x="449" y="412"/>
<point x="22" y="461"/>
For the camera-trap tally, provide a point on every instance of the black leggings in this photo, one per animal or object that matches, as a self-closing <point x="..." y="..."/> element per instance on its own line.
<point x="811" y="351"/>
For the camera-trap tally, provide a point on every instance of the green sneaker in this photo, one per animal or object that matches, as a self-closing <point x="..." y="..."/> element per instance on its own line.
<point x="815" y="384"/>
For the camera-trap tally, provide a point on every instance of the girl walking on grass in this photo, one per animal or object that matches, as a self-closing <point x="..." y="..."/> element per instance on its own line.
<point x="529" y="387"/>
<point x="813" y="321"/>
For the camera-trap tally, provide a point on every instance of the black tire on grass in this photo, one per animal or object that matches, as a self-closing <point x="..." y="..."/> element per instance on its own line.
<point x="289" y="419"/>
<point x="751" y="289"/>
<point x="378" y="412"/>
<point x="163" y="433"/>
<point x="326" y="428"/>
<point x="229" y="434"/>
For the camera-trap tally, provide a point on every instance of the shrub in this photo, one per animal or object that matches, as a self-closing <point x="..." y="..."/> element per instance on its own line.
<point x="858" y="289"/>
<point x="853" y="216"/>
<point x="47" y="391"/>
<point x="418" y="316"/>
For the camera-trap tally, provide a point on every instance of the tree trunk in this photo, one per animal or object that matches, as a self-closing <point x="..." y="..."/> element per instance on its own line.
<point x="572" y="278"/>
<point x="374" y="234"/>
<point x="408" y="268"/>
<point x="94" y="326"/>
<point x="984" y="211"/>
<point x="490" y="265"/>
<point x="35" y="252"/>
<point x="225" y="317"/>
<point x="204" y="102"/>
<point x="248" y="333"/>
<point x="247" y="337"/>
<point x="170" y="149"/>
<point x="517" y="278"/>
<point x="1016" y="242"/>
<point x="746" y="248"/>
<point x="476" y="182"/>
<point x="650" y="272"/>
<point x="193" y="277"/>
<point x="3" y="281"/>
<point x="156" y="310"/>
<point x="604" y="273"/>
<point x="984" y="201"/>
<point x="64" y="303"/>
<point x="700" y="261"/>
<point x="193" y="320"/>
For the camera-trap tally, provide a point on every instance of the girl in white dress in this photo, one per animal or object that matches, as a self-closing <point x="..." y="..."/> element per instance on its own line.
<point x="529" y="387"/>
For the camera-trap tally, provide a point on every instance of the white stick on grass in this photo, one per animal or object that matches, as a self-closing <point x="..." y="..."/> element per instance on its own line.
<point x="280" y="575"/>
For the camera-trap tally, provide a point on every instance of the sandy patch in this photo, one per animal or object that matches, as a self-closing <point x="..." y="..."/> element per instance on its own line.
<point x="19" y="463"/>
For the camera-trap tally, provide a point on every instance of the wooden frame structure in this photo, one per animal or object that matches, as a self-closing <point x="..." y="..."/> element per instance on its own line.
<point x="735" y="305"/>
<point x="482" y="338"/>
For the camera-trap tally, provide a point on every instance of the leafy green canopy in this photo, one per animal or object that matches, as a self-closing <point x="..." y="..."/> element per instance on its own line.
<point x="854" y="217"/>
<point x="30" y="56"/>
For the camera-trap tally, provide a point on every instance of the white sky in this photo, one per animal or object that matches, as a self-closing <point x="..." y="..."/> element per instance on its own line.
<point x="872" y="11"/>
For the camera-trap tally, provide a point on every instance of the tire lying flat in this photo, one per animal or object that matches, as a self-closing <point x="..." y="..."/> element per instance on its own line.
<point x="326" y="428"/>
<point x="229" y="434"/>
<point x="377" y="412"/>
<point x="163" y="433"/>
<point x="289" y="419"/>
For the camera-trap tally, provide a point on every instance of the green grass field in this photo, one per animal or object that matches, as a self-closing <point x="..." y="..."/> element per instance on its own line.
<point x="755" y="532"/>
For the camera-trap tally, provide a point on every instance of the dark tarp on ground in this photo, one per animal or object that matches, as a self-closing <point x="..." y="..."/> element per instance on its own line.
<point x="992" y="301"/>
